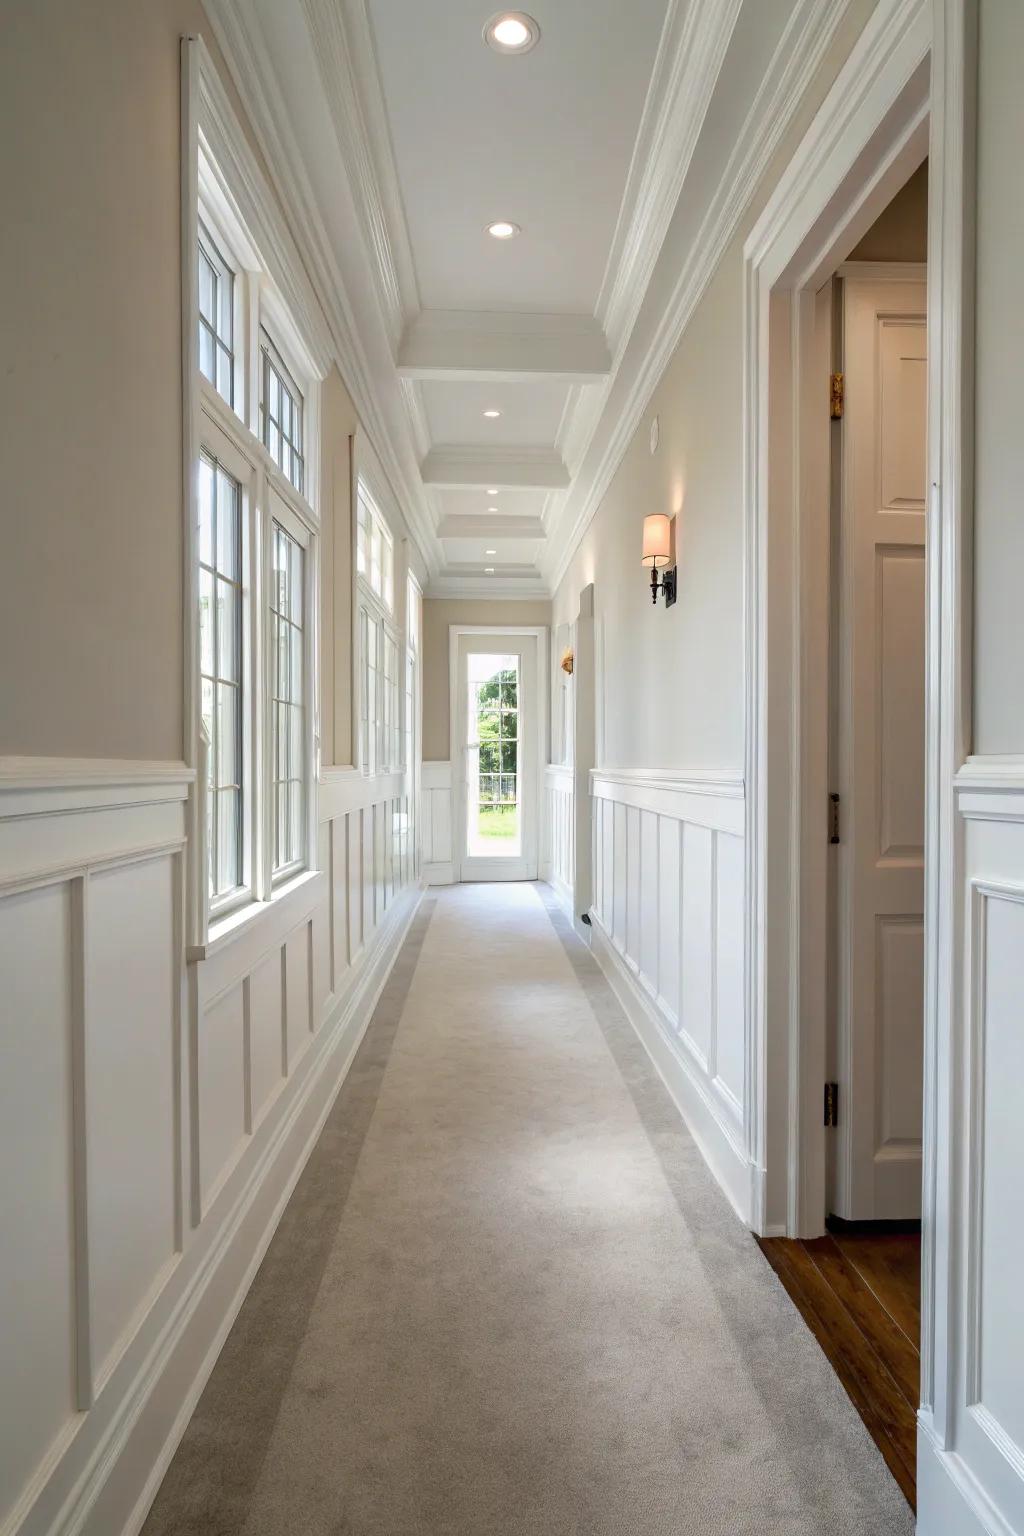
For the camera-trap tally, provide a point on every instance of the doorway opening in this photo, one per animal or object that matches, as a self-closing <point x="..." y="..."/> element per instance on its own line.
<point x="498" y="750"/>
<point x="493" y="811"/>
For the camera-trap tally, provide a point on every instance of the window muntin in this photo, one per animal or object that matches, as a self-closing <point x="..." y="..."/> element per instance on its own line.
<point x="287" y="700"/>
<point x="216" y="317"/>
<point x="220" y="670"/>
<point x="280" y="413"/>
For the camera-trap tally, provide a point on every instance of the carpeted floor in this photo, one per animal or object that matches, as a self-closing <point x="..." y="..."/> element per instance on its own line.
<point x="507" y="1296"/>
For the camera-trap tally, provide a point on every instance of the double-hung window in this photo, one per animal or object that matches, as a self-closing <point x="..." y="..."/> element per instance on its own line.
<point x="254" y="567"/>
<point x="380" y="733"/>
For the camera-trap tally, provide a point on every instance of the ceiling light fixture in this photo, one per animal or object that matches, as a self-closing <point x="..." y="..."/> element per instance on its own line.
<point x="490" y="551"/>
<point x="492" y="490"/>
<point x="488" y="570"/>
<point x="492" y="415"/>
<point x="504" y="229"/>
<point x="511" y="32"/>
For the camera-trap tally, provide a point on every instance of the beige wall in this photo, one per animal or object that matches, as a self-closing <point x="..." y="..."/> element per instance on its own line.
<point x="671" y="681"/>
<point x="438" y="613"/>
<point x="999" y="465"/>
<point x="900" y="233"/>
<point x="90" y="398"/>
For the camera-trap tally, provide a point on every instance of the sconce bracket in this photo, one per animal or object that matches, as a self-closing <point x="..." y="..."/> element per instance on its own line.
<point x="666" y="585"/>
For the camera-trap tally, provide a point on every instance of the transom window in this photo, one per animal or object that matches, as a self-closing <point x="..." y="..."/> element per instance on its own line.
<point x="280" y="412"/>
<point x="216" y="317"/>
<point x="220" y="667"/>
<point x="375" y="551"/>
<point x="288" y="715"/>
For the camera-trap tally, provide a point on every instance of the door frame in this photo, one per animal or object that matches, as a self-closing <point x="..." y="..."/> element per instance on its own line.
<point x="906" y="88"/>
<point x="455" y="634"/>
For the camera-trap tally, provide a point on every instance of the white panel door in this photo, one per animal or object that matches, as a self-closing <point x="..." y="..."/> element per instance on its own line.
<point x="880" y="748"/>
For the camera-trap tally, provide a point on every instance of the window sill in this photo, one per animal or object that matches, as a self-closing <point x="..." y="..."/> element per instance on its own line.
<point x="245" y="920"/>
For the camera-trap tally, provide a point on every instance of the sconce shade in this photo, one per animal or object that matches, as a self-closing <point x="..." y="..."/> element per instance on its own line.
<point x="657" y="541"/>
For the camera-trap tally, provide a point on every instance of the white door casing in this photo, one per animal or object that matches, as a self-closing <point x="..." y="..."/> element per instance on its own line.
<point x="881" y="740"/>
<point x="529" y="643"/>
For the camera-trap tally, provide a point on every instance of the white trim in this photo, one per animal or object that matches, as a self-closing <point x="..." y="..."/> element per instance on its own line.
<point x="714" y="1129"/>
<point x="713" y="800"/>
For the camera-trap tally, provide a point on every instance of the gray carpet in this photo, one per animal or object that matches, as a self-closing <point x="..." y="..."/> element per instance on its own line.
<point x="507" y="1296"/>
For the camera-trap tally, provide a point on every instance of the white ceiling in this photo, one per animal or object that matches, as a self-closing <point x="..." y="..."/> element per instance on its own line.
<point x="543" y="139"/>
<point x="395" y="135"/>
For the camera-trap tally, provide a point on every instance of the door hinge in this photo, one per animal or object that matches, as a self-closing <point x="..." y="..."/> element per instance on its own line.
<point x="831" y="1104"/>
<point x="833" y="818"/>
<point x="836" y="395"/>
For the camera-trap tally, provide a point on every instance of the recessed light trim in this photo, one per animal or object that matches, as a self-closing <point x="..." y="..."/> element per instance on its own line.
<point x="511" y="32"/>
<point x="492" y="490"/>
<point x="492" y="415"/>
<point x="488" y="570"/>
<point x="504" y="229"/>
<point x="490" y="551"/>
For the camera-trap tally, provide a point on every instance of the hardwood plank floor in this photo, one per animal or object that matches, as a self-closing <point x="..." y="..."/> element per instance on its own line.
<point x="859" y="1292"/>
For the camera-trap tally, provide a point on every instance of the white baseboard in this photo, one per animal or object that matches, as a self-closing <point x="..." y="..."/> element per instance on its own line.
<point x="716" y="1140"/>
<point x="147" y="1413"/>
<point x="439" y="873"/>
<point x="950" y="1500"/>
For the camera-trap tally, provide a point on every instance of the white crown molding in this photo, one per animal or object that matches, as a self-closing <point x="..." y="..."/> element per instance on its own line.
<point x="515" y="589"/>
<point x="343" y="37"/>
<point x="792" y="67"/>
<point x="690" y="56"/>
<point x="472" y="345"/>
<point x="248" y="58"/>
<point x="457" y="465"/>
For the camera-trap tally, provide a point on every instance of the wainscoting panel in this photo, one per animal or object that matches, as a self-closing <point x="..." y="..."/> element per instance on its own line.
<point x="436" y="823"/>
<point x="668" y="930"/>
<point x="975" y="1441"/>
<point x="156" y="1106"/>
<point x="558" y="863"/>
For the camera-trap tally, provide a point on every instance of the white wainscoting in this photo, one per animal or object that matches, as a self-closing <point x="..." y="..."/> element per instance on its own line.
<point x="155" y="1112"/>
<point x="668" y="931"/>
<point x="971" y="1445"/>
<point x="436" y="823"/>
<point x="558" y="865"/>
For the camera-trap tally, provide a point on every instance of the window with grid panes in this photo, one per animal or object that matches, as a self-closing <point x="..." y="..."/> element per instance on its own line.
<point x="220" y="668"/>
<point x="280" y="412"/>
<point x="287" y="701"/>
<point x="216" y="317"/>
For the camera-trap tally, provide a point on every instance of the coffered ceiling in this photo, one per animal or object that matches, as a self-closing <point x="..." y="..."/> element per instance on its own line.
<point x="485" y="369"/>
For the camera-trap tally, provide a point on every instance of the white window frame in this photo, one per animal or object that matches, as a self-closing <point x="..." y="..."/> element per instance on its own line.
<point x="223" y="186"/>
<point x="379" y="741"/>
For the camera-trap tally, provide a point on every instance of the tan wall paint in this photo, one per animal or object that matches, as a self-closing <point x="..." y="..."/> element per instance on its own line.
<point x="90" y="399"/>
<point x="999" y="444"/>
<point x="438" y="614"/>
<point x="900" y="233"/>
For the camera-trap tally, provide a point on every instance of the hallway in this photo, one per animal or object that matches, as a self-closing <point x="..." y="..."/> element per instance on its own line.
<point x="507" y="1295"/>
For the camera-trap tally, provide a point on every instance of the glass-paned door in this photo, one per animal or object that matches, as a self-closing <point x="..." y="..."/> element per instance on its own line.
<point x="493" y="827"/>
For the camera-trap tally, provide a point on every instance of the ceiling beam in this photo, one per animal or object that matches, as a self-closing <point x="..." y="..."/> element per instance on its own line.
<point x="457" y="465"/>
<point x="470" y="526"/>
<point x="494" y="348"/>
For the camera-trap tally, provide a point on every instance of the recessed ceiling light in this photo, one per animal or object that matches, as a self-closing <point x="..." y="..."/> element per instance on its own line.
<point x="488" y="570"/>
<point x="511" y="32"/>
<point x="492" y="490"/>
<point x="490" y="551"/>
<point x="492" y="414"/>
<point x="503" y="229"/>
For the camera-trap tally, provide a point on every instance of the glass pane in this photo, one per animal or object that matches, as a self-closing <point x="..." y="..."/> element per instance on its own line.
<point x="205" y="621"/>
<point x="206" y="478"/>
<point x="295" y="799"/>
<point x="227" y="632"/>
<point x="295" y="674"/>
<point x="280" y="742"/>
<point x="509" y="690"/>
<point x="206" y="707"/>
<point x="493" y="803"/>
<point x="281" y="806"/>
<point x="225" y="378"/>
<point x="490" y="760"/>
<point x="207" y="349"/>
<point x="227" y="734"/>
<point x="509" y="756"/>
<point x="207" y="289"/>
<point x="228" y="860"/>
<point x="487" y="724"/>
<point x="296" y="582"/>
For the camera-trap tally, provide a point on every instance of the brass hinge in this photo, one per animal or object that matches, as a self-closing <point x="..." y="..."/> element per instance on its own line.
<point x="833" y="818"/>
<point x="837" y="394"/>
<point x="831" y="1104"/>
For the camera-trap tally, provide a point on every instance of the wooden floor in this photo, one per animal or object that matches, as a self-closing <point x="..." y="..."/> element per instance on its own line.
<point x="860" y="1294"/>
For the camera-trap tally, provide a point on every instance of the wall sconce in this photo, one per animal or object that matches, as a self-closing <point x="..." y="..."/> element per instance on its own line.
<point x="657" y="554"/>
